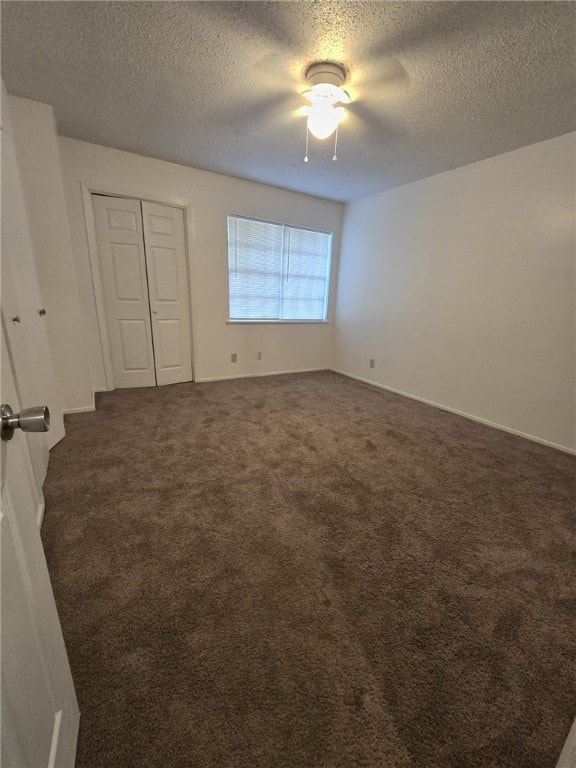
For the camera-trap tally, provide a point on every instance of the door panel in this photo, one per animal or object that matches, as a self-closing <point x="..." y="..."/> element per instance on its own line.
<point x="168" y="290"/>
<point x="26" y="383"/>
<point x="21" y="298"/>
<point x="135" y="350"/>
<point x="161" y="225"/>
<point x="125" y="220"/>
<point x="169" y="343"/>
<point x="165" y="265"/>
<point x="121" y="249"/>
<point x="39" y="712"/>
<point x="129" y="281"/>
<point x="25" y="692"/>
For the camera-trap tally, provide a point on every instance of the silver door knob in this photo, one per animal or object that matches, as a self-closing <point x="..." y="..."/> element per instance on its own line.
<point x="35" y="419"/>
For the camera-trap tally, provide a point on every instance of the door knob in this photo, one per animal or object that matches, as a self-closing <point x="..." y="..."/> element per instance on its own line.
<point x="41" y="312"/>
<point x="35" y="419"/>
<point x="154" y="311"/>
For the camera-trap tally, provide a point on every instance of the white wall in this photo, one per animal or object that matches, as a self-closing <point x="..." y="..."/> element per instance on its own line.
<point x="462" y="287"/>
<point x="36" y="147"/>
<point x="209" y="198"/>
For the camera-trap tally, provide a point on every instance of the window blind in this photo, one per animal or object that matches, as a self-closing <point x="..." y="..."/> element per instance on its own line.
<point x="276" y="271"/>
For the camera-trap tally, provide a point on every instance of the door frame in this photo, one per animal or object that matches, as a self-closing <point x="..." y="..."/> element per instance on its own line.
<point x="87" y="190"/>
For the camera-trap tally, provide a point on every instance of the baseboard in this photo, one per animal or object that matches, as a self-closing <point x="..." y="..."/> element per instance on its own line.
<point x="470" y="416"/>
<point x="258" y="375"/>
<point x="83" y="409"/>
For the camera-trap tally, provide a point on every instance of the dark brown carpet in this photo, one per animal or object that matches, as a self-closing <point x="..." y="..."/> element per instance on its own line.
<point x="304" y="571"/>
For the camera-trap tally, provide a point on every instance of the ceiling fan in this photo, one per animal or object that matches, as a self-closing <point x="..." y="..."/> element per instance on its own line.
<point x="331" y="102"/>
<point x="327" y="98"/>
<point x="376" y="40"/>
<point x="302" y="73"/>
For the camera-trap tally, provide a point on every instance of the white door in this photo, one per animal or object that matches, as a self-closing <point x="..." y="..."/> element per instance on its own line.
<point x="121" y="249"/>
<point x="168" y="291"/>
<point x="39" y="712"/>
<point x="25" y="380"/>
<point x="145" y="281"/>
<point x="21" y="299"/>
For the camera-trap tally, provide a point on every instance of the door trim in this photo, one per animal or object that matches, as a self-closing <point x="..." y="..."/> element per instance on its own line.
<point x="87" y="190"/>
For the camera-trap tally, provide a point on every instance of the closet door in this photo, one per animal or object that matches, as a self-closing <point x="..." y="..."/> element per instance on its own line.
<point x="121" y="249"/>
<point x="168" y="290"/>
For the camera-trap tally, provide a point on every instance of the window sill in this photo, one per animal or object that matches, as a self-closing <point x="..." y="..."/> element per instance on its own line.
<point x="277" y="322"/>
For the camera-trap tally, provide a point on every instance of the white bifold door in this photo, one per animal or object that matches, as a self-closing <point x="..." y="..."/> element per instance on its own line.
<point x="145" y="282"/>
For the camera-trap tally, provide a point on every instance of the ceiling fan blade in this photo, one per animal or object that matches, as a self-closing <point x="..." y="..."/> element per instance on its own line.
<point x="260" y="112"/>
<point x="272" y="69"/>
<point x="433" y="24"/>
<point x="390" y="74"/>
<point x="381" y="83"/>
<point x="434" y="20"/>
<point x="263" y="21"/>
<point x="375" y="126"/>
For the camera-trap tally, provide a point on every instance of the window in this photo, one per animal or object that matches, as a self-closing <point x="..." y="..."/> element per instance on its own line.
<point x="277" y="272"/>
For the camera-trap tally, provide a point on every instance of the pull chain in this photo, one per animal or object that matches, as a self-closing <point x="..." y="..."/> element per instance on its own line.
<point x="334" y="156"/>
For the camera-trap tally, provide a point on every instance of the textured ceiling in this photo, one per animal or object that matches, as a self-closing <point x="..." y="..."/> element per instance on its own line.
<point x="216" y="85"/>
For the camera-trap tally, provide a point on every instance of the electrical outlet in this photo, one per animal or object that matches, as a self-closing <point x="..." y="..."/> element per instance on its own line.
<point x="234" y="357"/>
<point x="259" y="356"/>
<point x="372" y="361"/>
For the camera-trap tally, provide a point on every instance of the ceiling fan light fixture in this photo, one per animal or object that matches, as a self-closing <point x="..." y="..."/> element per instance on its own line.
<point x="326" y="94"/>
<point x="325" y="72"/>
<point x="323" y="120"/>
<point x="325" y="79"/>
